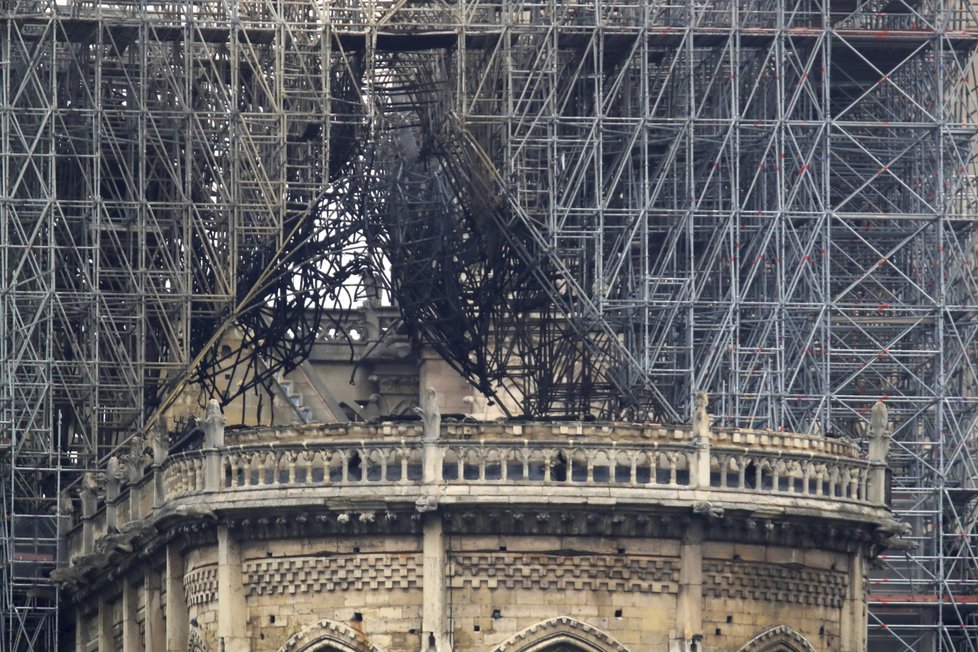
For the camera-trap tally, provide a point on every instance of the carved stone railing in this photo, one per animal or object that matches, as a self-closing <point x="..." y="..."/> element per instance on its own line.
<point x="460" y="461"/>
<point x="585" y="463"/>
<point x="769" y="473"/>
<point x="183" y="475"/>
<point x="258" y="467"/>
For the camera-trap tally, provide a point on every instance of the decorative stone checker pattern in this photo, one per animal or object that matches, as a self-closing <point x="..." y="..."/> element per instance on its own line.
<point x="200" y="585"/>
<point x="316" y="574"/>
<point x="565" y="572"/>
<point x="765" y="582"/>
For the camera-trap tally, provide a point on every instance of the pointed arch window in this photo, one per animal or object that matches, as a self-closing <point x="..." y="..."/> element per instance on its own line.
<point x="328" y="636"/>
<point x="778" y="639"/>
<point x="561" y="634"/>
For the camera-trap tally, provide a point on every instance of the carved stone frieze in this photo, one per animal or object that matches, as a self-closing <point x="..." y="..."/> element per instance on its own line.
<point x="561" y="522"/>
<point x="352" y="523"/>
<point x="341" y="573"/>
<point x="772" y="583"/>
<point x="542" y="571"/>
<point x="790" y="532"/>
<point x="200" y="585"/>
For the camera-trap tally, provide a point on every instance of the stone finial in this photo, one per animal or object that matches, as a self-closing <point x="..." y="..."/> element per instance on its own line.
<point x="160" y="441"/>
<point x="477" y="405"/>
<point x="88" y="493"/>
<point x="135" y="459"/>
<point x="430" y="412"/>
<point x="701" y="420"/>
<point x="213" y="425"/>
<point x="65" y="506"/>
<point x="879" y="433"/>
<point x="115" y="473"/>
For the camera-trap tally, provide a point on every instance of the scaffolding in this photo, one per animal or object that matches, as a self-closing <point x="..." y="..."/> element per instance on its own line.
<point x="627" y="201"/>
<point x="165" y="178"/>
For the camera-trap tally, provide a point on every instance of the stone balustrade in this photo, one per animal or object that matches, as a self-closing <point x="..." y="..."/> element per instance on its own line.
<point x="644" y="464"/>
<point x="554" y="462"/>
<point x="322" y="464"/>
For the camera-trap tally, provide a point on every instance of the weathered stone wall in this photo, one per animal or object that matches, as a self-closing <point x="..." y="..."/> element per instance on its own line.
<point x="500" y="586"/>
<point x="372" y="584"/>
<point x="750" y="588"/>
<point x="482" y="536"/>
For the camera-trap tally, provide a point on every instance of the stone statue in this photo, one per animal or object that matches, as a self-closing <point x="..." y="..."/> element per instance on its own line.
<point x="430" y="413"/>
<point x="88" y="493"/>
<point x="879" y="433"/>
<point x="477" y="404"/>
<point x="161" y="443"/>
<point x="65" y="506"/>
<point x="701" y="420"/>
<point x="213" y="425"/>
<point x="115" y="473"/>
<point x="135" y="459"/>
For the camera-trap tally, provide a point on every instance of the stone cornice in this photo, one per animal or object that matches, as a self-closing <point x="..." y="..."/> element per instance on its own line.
<point x="642" y="481"/>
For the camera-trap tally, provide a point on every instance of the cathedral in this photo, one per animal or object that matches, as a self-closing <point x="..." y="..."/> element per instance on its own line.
<point x="446" y="531"/>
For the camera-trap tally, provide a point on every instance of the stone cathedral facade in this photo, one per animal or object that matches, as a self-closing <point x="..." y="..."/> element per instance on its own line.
<point x="446" y="534"/>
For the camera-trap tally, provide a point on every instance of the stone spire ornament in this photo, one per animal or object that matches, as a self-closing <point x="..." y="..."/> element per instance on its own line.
<point x="213" y="425"/>
<point x="430" y="412"/>
<point x="879" y="433"/>
<point x="161" y="443"/>
<point x="701" y="420"/>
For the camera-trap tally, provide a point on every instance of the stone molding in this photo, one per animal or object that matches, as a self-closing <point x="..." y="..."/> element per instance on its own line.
<point x="562" y="629"/>
<point x="362" y="571"/>
<point x="525" y="479"/>
<point x="330" y="633"/>
<point x="565" y="572"/>
<point x="777" y="638"/>
<point x="200" y="585"/>
<point x="773" y="583"/>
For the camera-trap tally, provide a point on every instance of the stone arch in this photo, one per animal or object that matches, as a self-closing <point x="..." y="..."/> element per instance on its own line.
<point x="561" y="631"/>
<point x="326" y="634"/>
<point x="778" y="639"/>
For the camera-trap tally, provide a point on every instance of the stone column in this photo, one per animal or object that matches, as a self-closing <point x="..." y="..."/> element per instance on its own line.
<point x="81" y="636"/>
<point x="213" y="426"/>
<point x="434" y="614"/>
<point x="154" y="637"/>
<point x="877" y="483"/>
<point x="699" y="476"/>
<point x="232" y="609"/>
<point x="430" y="412"/>
<point x="159" y="489"/>
<point x="89" y="501"/>
<point x="131" y="641"/>
<point x="161" y="450"/>
<point x="854" y="612"/>
<point x="135" y="467"/>
<point x="879" y="448"/>
<point x="689" y="602"/>
<point x="177" y="614"/>
<point x="113" y="487"/>
<point x="699" y="473"/>
<point x="105" y="641"/>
